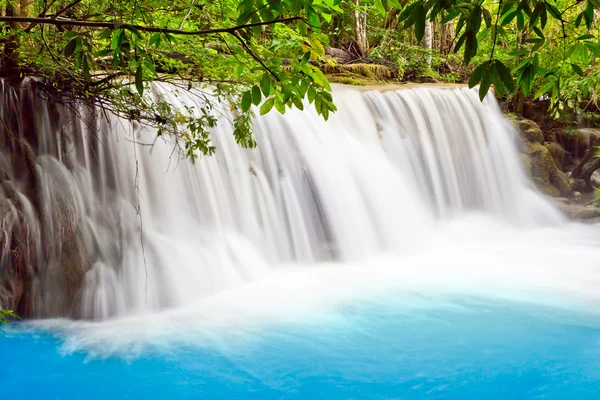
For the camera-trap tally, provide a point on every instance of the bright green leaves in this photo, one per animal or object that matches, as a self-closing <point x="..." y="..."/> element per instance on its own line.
<point x="246" y="101"/>
<point x="79" y="47"/>
<point x="577" y="69"/>
<point x="265" y="84"/>
<point x="415" y="15"/>
<point x="7" y="315"/>
<point x="267" y="106"/>
<point x="526" y="72"/>
<point x="491" y="72"/>
<point x="587" y="14"/>
<point x="381" y="7"/>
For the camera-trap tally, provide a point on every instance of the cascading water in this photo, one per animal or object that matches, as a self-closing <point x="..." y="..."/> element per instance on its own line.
<point x="396" y="250"/>
<point x="116" y="223"/>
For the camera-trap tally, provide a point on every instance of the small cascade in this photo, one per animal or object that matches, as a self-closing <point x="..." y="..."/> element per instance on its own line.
<point x="99" y="218"/>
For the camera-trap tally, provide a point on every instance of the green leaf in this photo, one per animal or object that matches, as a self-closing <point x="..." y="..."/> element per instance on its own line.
<point x="505" y="75"/>
<point x="265" y="84"/>
<point x="298" y="103"/>
<point x="256" y="95"/>
<point x="538" y="32"/>
<point x="86" y="69"/>
<point x="419" y="17"/>
<point x="303" y="87"/>
<point x="485" y="84"/>
<point x="470" y="47"/>
<point x="585" y="37"/>
<point x="267" y="106"/>
<point x="102" y="53"/>
<point x="577" y="69"/>
<point x="543" y="17"/>
<point x="478" y="74"/>
<point x="105" y="34"/>
<point x="306" y="57"/>
<point x="246" y="101"/>
<point x="593" y="47"/>
<point x="526" y="78"/>
<point x="154" y="40"/>
<point x="116" y="39"/>
<point x="381" y="9"/>
<point x="487" y="17"/>
<point x="538" y="43"/>
<point x="280" y="105"/>
<point x="312" y="94"/>
<point x="139" y="80"/>
<point x="520" y="21"/>
<point x="475" y="19"/>
<point x="507" y="18"/>
<point x="70" y="47"/>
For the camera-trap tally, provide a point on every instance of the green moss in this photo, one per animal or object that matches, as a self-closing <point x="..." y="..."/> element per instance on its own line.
<point x="374" y="73"/>
<point x="530" y="130"/>
<point x="541" y="166"/>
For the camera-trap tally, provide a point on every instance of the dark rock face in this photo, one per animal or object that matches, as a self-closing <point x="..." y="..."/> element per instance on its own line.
<point x="42" y="257"/>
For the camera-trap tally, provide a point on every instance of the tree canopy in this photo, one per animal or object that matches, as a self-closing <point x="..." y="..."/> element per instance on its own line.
<point x="269" y="53"/>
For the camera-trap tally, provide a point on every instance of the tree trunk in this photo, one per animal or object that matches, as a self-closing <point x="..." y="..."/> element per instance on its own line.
<point x="428" y="39"/>
<point x="447" y="38"/>
<point x="360" y="30"/>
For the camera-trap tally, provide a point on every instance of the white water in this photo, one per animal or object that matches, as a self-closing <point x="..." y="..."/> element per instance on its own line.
<point x="399" y="190"/>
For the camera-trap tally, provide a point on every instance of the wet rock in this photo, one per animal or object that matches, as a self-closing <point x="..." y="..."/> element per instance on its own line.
<point x="543" y="170"/>
<point x="578" y="141"/>
<point x="595" y="179"/>
<point x="530" y="131"/>
<point x="538" y="159"/>
<point x="578" y="185"/>
<point x="562" y="158"/>
<point x="582" y="212"/>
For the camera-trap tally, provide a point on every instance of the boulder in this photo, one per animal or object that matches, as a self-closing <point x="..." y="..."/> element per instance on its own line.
<point x="578" y="141"/>
<point x="561" y="157"/>
<point x="539" y="161"/>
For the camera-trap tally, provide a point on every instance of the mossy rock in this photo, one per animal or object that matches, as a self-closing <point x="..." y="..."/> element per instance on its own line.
<point x="561" y="157"/>
<point x="543" y="170"/>
<point x="530" y="131"/>
<point x="376" y="72"/>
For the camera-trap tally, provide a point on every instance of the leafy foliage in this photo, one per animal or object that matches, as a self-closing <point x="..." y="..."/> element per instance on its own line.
<point x="6" y="315"/>
<point x="109" y="51"/>
<point x="528" y="47"/>
<point x="257" y="56"/>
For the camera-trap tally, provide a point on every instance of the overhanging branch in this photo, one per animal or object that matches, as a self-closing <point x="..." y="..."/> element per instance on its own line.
<point x="141" y="28"/>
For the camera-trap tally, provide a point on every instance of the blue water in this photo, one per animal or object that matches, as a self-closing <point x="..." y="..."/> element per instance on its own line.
<point x="450" y="348"/>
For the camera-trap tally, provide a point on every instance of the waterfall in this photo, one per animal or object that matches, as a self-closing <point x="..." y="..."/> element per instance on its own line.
<point x="101" y="218"/>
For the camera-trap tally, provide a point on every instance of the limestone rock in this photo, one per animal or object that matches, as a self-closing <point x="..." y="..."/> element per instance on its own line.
<point x="539" y="158"/>
<point x="578" y="141"/>
<point x="580" y="211"/>
<point x="530" y="131"/>
<point x="561" y="157"/>
<point x="543" y="170"/>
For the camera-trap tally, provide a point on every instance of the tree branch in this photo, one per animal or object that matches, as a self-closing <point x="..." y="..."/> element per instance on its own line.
<point x="249" y="50"/>
<point x="56" y="15"/>
<point x="141" y="28"/>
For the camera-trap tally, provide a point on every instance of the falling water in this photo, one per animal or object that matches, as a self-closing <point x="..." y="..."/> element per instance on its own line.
<point x="111" y="221"/>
